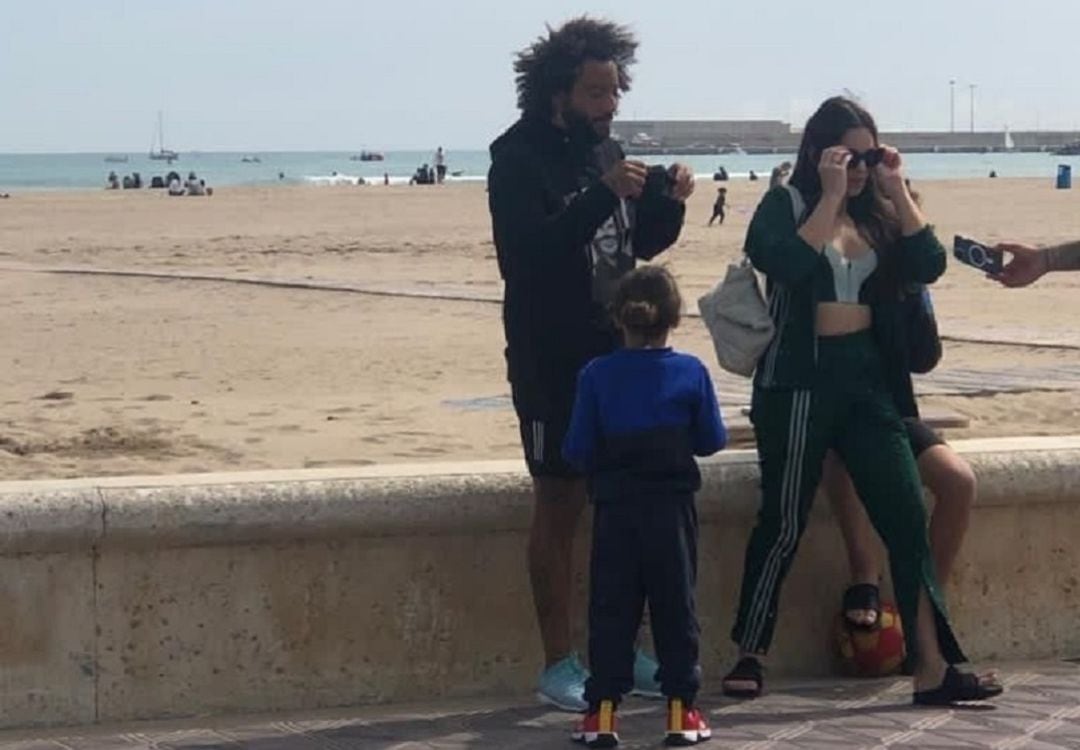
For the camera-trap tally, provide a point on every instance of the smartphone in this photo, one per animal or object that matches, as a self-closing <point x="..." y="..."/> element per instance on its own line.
<point x="659" y="181"/>
<point x="978" y="255"/>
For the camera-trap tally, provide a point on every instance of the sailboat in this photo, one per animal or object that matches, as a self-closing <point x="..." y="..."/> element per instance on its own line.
<point x="1009" y="145"/>
<point x="162" y="153"/>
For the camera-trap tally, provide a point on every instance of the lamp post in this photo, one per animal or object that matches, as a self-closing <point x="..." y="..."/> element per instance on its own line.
<point x="972" y="87"/>
<point x="952" y="105"/>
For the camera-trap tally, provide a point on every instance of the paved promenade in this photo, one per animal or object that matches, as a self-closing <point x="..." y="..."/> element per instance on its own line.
<point x="1040" y="710"/>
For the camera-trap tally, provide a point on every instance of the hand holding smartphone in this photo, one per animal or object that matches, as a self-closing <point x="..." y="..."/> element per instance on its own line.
<point x="978" y="255"/>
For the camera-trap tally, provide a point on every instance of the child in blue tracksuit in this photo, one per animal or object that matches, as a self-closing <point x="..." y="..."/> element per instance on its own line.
<point x="640" y="416"/>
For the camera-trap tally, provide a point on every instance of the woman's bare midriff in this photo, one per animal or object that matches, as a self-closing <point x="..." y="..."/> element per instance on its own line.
<point x="841" y="318"/>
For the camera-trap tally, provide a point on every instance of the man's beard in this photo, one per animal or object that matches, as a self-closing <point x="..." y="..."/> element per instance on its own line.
<point x="583" y="130"/>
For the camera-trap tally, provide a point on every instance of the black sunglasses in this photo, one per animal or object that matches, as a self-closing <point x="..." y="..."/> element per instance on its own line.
<point x="872" y="157"/>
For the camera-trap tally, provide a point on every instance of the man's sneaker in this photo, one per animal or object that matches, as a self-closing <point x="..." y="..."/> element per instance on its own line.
<point x="563" y="685"/>
<point x="645" y="684"/>
<point x="598" y="728"/>
<point x="685" y="725"/>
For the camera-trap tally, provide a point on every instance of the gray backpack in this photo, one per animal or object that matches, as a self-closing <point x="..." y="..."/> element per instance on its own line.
<point x="736" y="315"/>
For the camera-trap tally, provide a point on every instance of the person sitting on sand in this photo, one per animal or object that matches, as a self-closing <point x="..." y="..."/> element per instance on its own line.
<point x="175" y="186"/>
<point x="194" y="185"/>
<point x="113" y="181"/>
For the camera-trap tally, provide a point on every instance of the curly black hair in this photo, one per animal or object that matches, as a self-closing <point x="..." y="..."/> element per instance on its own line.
<point x="552" y="64"/>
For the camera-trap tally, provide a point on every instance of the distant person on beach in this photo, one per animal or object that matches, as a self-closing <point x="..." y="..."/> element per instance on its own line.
<point x="136" y="180"/>
<point x="113" y="181"/>
<point x="779" y="174"/>
<point x="440" y="165"/>
<point x="194" y="185"/>
<point x="570" y="216"/>
<point x="720" y="175"/>
<point x="281" y="175"/>
<point x="424" y="175"/>
<point x="386" y="178"/>
<point x="1028" y="264"/>
<point x="753" y="176"/>
<point x="175" y="186"/>
<point x="718" y="206"/>
<point x="993" y="174"/>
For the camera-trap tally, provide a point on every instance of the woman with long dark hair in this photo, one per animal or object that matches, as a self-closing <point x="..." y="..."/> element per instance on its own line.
<point x="832" y="244"/>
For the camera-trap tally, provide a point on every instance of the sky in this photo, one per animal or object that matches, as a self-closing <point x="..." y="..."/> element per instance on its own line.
<point x="266" y="75"/>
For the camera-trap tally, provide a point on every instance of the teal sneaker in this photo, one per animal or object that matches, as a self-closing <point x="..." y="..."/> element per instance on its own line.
<point x="645" y="684"/>
<point x="563" y="685"/>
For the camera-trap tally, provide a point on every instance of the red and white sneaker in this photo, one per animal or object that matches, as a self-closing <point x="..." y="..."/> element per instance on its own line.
<point x="598" y="728"/>
<point x="685" y="725"/>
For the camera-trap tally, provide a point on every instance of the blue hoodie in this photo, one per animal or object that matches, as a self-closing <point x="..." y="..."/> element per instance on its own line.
<point x="640" y="417"/>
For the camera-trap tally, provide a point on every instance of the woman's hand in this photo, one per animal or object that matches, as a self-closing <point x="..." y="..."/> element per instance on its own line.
<point x="832" y="168"/>
<point x="890" y="175"/>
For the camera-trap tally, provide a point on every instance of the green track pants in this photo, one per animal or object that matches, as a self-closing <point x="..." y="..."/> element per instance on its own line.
<point x="849" y="410"/>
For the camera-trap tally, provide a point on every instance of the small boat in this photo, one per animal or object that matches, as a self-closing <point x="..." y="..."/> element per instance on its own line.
<point x="367" y="156"/>
<point x="251" y="160"/>
<point x="162" y="153"/>
<point x="116" y="159"/>
<point x="644" y="139"/>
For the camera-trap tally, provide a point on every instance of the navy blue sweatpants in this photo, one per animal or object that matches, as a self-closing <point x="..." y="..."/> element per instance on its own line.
<point x="643" y="551"/>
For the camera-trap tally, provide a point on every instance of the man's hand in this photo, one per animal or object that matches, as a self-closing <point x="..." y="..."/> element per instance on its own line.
<point x="1026" y="266"/>
<point x="626" y="178"/>
<point x="683" y="186"/>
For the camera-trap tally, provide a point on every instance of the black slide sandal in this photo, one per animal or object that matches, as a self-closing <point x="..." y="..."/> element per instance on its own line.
<point x="864" y="596"/>
<point x="748" y="669"/>
<point x="958" y="687"/>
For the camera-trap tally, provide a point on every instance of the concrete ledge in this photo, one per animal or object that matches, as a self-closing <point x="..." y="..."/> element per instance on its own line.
<point x="33" y="520"/>
<point x="150" y="597"/>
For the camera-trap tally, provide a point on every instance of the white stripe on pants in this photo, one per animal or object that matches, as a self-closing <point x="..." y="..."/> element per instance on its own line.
<point x="788" y="536"/>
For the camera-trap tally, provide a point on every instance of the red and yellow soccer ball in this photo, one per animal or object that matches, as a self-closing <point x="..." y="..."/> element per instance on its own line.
<point x="871" y="653"/>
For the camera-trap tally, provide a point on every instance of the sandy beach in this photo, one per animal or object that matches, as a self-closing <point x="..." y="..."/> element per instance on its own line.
<point x="190" y="371"/>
